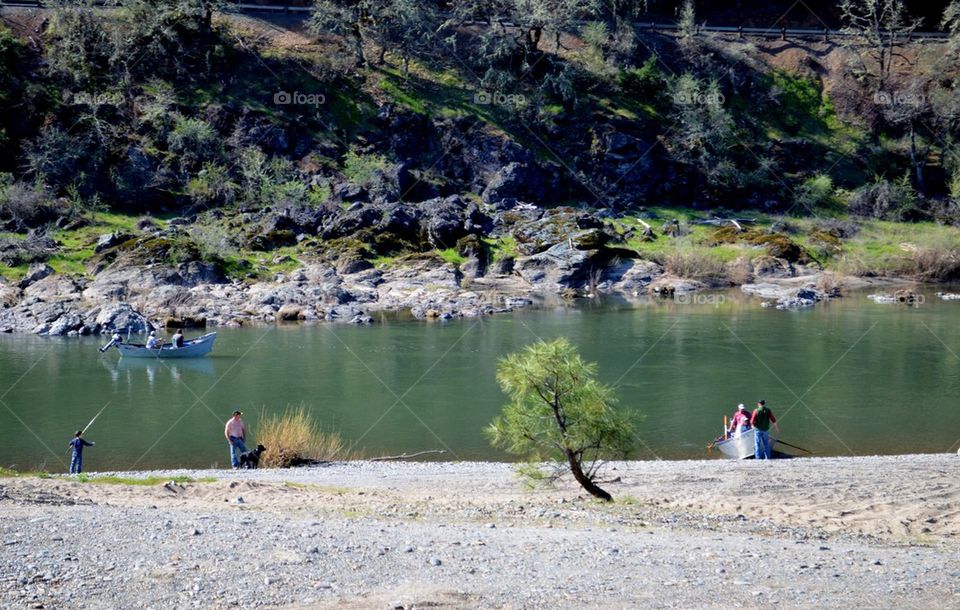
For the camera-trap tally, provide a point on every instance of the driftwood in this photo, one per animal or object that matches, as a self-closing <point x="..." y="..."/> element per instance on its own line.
<point x="405" y="456"/>
<point x="719" y="222"/>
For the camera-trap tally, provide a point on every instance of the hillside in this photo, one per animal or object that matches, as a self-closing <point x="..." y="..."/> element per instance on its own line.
<point x="228" y="167"/>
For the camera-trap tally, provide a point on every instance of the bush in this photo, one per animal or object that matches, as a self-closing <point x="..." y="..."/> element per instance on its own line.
<point x="193" y="142"/>
<point x="885" y="199"/>
<point x="293" y="438"/>
<point x="694" y="265"/>
<point x="646" y="82"/>
<point x="815" y="192"/>
<point x="24" y="206"/>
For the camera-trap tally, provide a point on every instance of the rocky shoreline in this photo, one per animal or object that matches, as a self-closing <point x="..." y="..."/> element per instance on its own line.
<point x="817" y="532"/>
<point x="128" y="291"/>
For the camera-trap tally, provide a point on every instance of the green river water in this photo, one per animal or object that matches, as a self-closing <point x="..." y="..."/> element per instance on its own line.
<point x="849" y="377"/>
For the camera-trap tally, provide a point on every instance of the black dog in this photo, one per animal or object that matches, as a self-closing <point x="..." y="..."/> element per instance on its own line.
<point x="251" y="459"/>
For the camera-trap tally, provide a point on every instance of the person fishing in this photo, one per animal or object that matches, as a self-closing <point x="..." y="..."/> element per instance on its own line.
<point x="78" y="443"/>
<point x="236" y="433"/>
<point x="177" y="338"/>
<point x="116" y="339"/>
<point x="761" y="419"/>
<point x="152" y="341"/>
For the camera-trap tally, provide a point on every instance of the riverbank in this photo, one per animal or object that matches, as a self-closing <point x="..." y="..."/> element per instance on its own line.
<point x="819" y="532"/>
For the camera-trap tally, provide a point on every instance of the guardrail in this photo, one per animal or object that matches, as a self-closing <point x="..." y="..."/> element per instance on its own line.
<point x="741" y="31"/>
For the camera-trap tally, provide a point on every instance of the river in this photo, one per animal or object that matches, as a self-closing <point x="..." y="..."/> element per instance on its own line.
<point x="849" y="377"/>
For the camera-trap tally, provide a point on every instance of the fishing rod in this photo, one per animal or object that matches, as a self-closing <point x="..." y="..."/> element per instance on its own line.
<point x="87" y="427"/>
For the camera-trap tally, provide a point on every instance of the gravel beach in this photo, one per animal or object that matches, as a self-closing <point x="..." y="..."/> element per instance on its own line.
<point x="872" y="532"/>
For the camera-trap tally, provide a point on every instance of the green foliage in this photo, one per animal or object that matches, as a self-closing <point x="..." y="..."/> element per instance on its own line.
<point x="192" y="141"/>
<point x="451" y="256"/>
<point x="886" y="199"/>
<point x="815" y="192"/>
<point x="646" y="83"/>
<point x="364" y="169"/>
<point x="559" y="411"/>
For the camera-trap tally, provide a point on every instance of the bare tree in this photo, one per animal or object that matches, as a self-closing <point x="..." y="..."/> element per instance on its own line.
<point x="877" y="30"/>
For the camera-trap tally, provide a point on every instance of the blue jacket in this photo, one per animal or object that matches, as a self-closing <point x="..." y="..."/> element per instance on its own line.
<point x="78" y="444"/>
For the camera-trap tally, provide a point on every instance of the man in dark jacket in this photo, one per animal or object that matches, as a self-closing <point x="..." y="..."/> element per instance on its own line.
<point x="760" y="420"/>
<point x="76" y="460"/>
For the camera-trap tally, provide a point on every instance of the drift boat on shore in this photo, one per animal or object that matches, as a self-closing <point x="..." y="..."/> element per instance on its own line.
<point x="742" y="447"/>
<point x="195" y="348"/>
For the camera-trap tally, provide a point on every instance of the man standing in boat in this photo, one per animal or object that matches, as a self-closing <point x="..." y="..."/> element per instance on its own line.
<point x="236" y="433"/>
<point x="740" y="421"/>
<point x="761" y="419"/>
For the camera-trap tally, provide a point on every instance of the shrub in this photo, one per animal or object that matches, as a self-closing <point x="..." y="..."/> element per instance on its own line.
<point x="646" y="82"/>
<point x="364" y="169"/>
<point x="885" y="199"/>
<point x="815" y="192"/>
<point x="193" y="142"/>
<point x="24" y="206"/>
<point x="293" y="438"/>
<point x="693" y="265"/>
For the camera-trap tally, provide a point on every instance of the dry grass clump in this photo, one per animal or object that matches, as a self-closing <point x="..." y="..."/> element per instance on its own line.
<point x="830" y="283"/>
<point x="694" y="265"/>
<point x="933" y="264"/>
<point x="294" y="438"/>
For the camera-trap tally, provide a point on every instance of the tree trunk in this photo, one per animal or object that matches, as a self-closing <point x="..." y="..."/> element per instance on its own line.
<point x="358" y="59"/>
<point x="917" y="163"/>
<point x="585" y="481"/>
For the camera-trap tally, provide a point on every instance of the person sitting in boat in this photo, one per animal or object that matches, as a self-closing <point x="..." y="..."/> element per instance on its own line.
<point x="152" y="341"/>
<point x="177" y="338"/>
<point x="740" y="421"/>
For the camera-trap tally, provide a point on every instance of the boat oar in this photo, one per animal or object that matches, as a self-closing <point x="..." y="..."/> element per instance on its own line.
<point x="794" y="446"/>
<point x="107" y="346"/>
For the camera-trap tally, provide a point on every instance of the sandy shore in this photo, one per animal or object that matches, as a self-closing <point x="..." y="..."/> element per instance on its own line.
<point x="874" y="532"/>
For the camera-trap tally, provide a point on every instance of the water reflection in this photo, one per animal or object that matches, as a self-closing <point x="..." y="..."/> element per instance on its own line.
<point x="126" y="371"/>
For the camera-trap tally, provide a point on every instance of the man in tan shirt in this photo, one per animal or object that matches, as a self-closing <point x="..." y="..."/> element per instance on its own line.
<point x="236" y="433"/>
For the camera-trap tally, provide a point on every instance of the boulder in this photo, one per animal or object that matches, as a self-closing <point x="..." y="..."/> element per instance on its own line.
<point x="354" y="219"/>
<point x="290" y="313"/>
<point x="503" y="266"/>
<point x="55" y="288"/>
<point x="561" y="265"/>
<point x="69" y="322"/>
<point x="522" y="181"/>
<point x="110" y="240"/>
<point x="35" y="273"/>
<point x="670" y="286"/>
<point x="629" y="276"/>
<point x="445" y="220"/>
<point x="769" y="266"/>
<point x="349" y="192"/>
<point x="577" y="227"/>
<point x="122" y="317"/>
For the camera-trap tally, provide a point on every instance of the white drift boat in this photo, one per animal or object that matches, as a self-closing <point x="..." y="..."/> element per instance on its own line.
<point x="194" y="348"/>
<point x="739" y="447"/>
